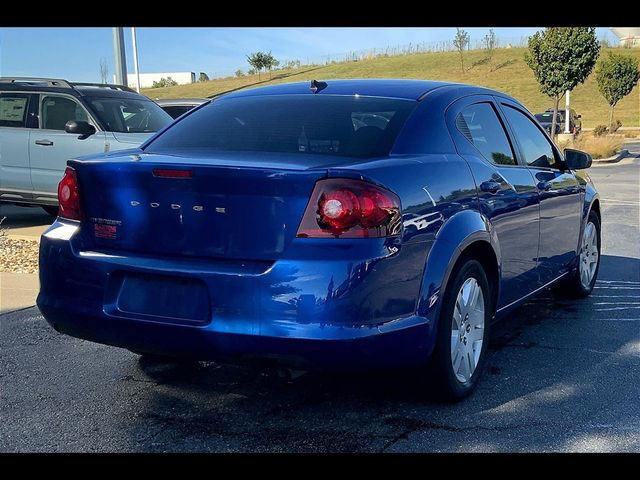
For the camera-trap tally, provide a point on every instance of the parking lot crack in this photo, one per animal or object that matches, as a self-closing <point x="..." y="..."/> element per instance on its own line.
<point x="413" y="425"/>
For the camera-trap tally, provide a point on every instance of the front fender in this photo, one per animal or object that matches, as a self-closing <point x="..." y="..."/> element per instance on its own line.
<point x="459" y="232"/>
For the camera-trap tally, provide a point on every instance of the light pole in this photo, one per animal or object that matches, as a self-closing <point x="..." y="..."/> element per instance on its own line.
<point x="120" y="59"/>
<point x="135" y="58"/>
<point x="566" y="112"/>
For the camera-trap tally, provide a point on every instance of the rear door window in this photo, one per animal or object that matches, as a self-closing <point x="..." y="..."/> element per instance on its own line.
<point x="481" y="126"/>
<point x="13" y="109"/>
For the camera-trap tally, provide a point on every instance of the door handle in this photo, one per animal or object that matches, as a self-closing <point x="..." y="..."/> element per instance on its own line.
<point x="46" y="143"/>
<point x="490" y="186"/>
<point x="544" y="186"/>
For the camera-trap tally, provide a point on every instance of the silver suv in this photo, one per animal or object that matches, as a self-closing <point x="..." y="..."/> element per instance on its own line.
<point x="45" y="122"/>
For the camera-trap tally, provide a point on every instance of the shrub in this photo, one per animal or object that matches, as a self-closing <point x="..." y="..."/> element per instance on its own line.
<point x="600" y="130"/>
<point x="239" y="73"/>
<point x="615" y="126"/>
<point x="597" y="147"/>
<point x="164" y="82"/>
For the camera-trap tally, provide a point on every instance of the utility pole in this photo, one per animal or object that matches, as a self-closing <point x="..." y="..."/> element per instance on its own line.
<point x="135" y="58"/>
<point x="120" y="59"/>
<point x="566" y="112"/>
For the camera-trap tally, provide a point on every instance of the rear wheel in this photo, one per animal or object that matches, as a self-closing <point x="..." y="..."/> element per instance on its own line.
<point x="53" y="211"/>
<point x="463" y="333"/>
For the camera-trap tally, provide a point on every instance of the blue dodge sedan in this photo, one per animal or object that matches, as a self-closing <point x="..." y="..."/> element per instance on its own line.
<point x="339" y="225"/>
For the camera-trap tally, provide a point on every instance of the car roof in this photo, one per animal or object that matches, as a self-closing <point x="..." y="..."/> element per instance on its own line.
<point x="180" y="101"/>
<point x="393" y="88"/>
<point x="408" y="89"/>
<point x="106" y="92"/>
<point x="62" y="86"/>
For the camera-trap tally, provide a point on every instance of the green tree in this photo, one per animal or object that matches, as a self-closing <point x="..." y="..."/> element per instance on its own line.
<point x="561" y="58"/>
<point x="270" y="62"/>
<point x="203" y="77"/>
<point x="616" y="76"/>
<point x="489" y="43"/>
<point x="239" y="73"/>
<point x="461" y="42"/>
<point x="257" y="61"/>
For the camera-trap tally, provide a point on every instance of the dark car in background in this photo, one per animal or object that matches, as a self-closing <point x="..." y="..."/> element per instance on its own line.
<point x="545" y="118"/>
<point x="179" y="106"/>
<point x="575" y="122"/>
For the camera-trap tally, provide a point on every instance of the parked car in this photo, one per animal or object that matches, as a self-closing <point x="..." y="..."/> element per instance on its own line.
<point x="44" y="122"/>
<point x="179" y="106"/>
<point x="575" y="122"/>
<point x="545" y="119"/>
<point x="275" y="224"/>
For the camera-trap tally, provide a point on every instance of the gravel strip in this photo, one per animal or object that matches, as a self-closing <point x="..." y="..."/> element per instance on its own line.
<point x="18" y="256"/>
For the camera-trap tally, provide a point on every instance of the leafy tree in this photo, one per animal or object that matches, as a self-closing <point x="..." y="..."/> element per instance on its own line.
<point x="616" y="76"/>
<point x="461" y="42"/>
<point x="489" y="43"/>
<point x="104" y="71"/>
<point x="561" y="58"/>
<point x="270" y="62"/>
<point x="239" y="73"/>
<point x="257" y="61"/>
<point x="203" y="77"/>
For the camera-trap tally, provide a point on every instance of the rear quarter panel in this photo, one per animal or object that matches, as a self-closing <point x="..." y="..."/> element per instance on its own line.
<point x="440" y="216"/>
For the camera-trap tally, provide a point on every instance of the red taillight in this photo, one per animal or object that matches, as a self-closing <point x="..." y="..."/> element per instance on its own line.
<point x="69" y="196"/>
<point x="348" y="208"/>
<point x="172" y="173"/>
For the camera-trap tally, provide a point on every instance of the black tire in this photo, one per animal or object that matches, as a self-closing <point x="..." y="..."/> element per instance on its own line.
<point x="444" y="383"/>
<point x="572" y="287"/>
<point x="53" y="211"/>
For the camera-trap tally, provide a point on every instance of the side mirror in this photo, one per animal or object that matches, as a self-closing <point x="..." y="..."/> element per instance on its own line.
<point x="576" y="159"/>
<point x="80" y="127"/>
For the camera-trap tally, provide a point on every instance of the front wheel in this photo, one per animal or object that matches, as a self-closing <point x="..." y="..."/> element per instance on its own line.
<point x="581" y="282"/>
<point x="463" y="333"/>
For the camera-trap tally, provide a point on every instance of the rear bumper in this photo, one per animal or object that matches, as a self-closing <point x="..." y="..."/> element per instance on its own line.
<point x="336" y="313"/>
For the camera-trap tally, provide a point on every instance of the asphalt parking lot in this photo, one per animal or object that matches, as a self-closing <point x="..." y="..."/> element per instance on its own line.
<point x="561" y="376"/>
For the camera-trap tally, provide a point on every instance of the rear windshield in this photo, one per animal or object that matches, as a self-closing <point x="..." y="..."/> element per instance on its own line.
<point x="305" y="124"/>
<point x="127" y="115"/>
<point x="547" y="117"/>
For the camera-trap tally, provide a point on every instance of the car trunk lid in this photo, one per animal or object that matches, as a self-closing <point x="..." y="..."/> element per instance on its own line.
<point x="195" y="207"/>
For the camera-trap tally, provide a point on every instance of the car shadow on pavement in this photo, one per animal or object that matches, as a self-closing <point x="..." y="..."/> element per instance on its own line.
<point x="547" y="357"/>
<point x="22" y="216"/>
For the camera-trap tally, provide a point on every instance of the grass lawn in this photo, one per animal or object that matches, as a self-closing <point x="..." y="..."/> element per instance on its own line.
<point x="507" y="73"/>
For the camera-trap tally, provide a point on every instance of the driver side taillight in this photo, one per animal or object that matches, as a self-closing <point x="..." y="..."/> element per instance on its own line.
<point x="69" y="196"/>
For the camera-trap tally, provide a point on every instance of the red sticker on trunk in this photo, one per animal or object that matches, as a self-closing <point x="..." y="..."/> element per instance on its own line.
<point x="105" y="231"/>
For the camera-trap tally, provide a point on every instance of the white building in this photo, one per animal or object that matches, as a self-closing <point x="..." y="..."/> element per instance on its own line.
<point x="629" y="36"/>
<point x="147" y="79"/>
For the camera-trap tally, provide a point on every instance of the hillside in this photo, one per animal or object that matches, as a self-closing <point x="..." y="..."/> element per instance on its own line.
<point x="509" y="74"/>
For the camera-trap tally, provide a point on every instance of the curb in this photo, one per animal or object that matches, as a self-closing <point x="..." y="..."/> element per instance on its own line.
<point x="615" y="159"/>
